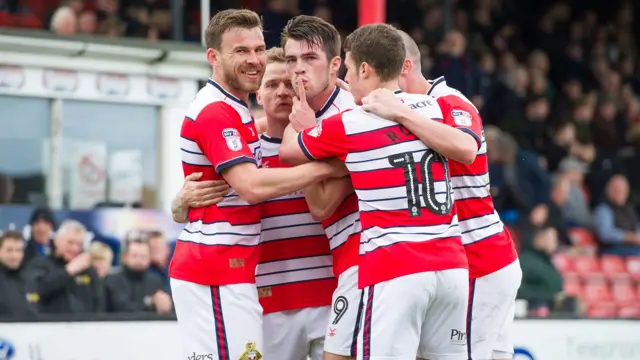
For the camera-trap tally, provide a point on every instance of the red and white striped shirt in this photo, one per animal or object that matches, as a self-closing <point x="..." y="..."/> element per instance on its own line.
<point x="343" y="226"/>
<point x="409" y="224"/>
<point x="219" y="245"/>
<point x="487" y="242"/>
<point x="295" y="269"/>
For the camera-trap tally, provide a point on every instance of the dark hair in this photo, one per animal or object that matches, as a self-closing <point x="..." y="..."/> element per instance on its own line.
<point x="10" y="234"/>
<point x="315" y="32"/>
<point x="226" y="20"/>
<point x="275" y="55"/>
<point x="380" y="46"/>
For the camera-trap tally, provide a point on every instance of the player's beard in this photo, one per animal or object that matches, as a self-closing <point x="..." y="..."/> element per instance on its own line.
<point x="232" y="77"/>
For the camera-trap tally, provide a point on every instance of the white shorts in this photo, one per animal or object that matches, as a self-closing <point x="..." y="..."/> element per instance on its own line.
<point x="218" y="322"/>
<point x="422" y="314"/>
<point x="491" y="309"/>
<point x="295" y="334"/>
<point x="342" y="330"/>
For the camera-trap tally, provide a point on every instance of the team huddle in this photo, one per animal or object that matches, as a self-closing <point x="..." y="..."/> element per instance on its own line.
<point x="357" y="222"/>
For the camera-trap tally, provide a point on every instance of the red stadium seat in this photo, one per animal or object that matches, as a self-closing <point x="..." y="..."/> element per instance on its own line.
<point x="624" y="293"/>
<point x="596" y="291"/>
<point x="633" y="267"/>
<point x="614" y="268"/>
<point x="572" y="285"/>
<point x="582" y="237"/>
<point x="629" y="312"/>
<point x="587" y="266"/>
<point x="563" y="262"/>
<point x="603" y="310"/>
<point x="5" y="19"/>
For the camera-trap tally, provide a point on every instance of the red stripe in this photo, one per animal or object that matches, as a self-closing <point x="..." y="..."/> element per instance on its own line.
<point x="472" y="208"/>
<point x="400" y="259"/>
<point x="221" y="337"/>
<point x="478" y="167"/>
<point x="366" y="334"/>
<point x="214" y="264"/>
<point x="491" y="254"/>
<point x="299" y="295"/>
<point x="345" y="255"/>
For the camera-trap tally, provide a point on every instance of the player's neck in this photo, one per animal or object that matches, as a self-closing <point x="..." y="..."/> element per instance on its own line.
<point x="244" y="96"/>
<point x="422" y="85"/>
<point x="391" y="85"/>
<point x="275" y="128"/>
<point x="319" y="100"/>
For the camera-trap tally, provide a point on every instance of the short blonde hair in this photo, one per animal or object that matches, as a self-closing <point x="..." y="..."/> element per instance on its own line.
<point x="275" y="55"/>
<point x="100" y="251"/>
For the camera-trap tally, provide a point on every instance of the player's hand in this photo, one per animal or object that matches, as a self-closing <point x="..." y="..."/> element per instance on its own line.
<point x="383" y="103"/>
<point x="196" y="194"/>
<point x="343" y="85"/>
<point x="302" y="115"/>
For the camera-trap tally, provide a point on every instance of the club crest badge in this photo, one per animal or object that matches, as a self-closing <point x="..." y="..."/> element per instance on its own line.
<point x="232" y="137"/>
<point x="250" y="352"/>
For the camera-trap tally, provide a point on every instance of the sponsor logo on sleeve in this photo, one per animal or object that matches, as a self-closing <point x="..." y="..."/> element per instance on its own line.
<point x="315" y="132"/>
<point x="232" y="137"/>
<point x="461" y="117"/>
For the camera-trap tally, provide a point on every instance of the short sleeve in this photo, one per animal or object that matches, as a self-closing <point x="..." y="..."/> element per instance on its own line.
<point x="219" y="134"/>
<point x="327" y="140"/>
<point x="462" y="115"/>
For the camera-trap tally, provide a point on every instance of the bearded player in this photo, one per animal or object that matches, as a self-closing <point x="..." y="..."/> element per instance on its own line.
<point x="213" y="268"/>
<point x="494" y="269"/>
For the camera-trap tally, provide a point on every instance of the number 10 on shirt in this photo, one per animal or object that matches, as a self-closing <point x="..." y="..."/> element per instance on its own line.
<point x="413" y="185"/>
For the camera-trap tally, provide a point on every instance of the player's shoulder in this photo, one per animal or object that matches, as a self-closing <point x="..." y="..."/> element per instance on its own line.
<point x="421" y="99"/>
<point x="344" y="100"/>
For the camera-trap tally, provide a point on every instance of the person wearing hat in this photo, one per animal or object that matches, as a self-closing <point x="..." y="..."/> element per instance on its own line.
<point x="43" y="225"/>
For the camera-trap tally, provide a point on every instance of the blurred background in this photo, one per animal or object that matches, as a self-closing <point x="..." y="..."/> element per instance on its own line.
<point x="92" y="94"/>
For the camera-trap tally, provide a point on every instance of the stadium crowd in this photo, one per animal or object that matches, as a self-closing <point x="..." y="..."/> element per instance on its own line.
<point x="557" y="84"/>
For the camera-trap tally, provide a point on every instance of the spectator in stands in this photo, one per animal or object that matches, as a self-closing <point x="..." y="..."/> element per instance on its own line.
<point x="559" y="198"/>
<point x="160" y="253"/>
<point x="576" y="209"/>
<point x="65" y="281"/>
<point x="541" y="282"/>
<point x="43" y="225"/>
<point x="87" y="22"/>
<point x="134" y="288"/>
<point x="64" y="21"/>
<point x="14" y="298"/>
<point x="518" y="181"/>
<point x="457" y="65"/>
<point x="101" y="258"/>
<point x="616" y="221"/>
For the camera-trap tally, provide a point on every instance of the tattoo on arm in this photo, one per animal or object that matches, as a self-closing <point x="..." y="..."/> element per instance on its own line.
<point x="178" y="211"/>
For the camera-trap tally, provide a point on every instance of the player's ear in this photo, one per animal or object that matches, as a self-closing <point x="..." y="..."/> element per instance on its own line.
<point x="212" y="56"/>
<point x="259" y="98"/>
<point x="365" y="70"/>
<point x="406" y="67"/>
<point x="334" y="65"/>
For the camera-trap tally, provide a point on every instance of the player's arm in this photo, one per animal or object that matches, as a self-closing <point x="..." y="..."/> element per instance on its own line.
<point x="450" y="142"/>
<point x="324" y="197"/>
<point x="196" y="194"/>
<point x="257" y="185"/>
<point x="219" y="137"/>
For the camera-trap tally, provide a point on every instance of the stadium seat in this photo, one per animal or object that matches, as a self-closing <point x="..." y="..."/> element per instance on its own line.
<point x="602" y="310"/>
<point x="587" y="266"/>
<point x="613" y="268"/>
<point x="563" y="262"/>
<point x="629" y="312"/>
<point x="624" y="293"/>
<point x="572" y="285"/>
<point x="5" y="19"/>
<point x="596" y="291"/>
<point x="582" y="237"/>
<point x="633" y="267"/>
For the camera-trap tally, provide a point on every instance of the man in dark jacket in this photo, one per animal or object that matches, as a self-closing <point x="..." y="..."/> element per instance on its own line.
<point x="541" y="281"/>
<point x="43" y="225"/>
<point x="135" y="288"/>
<point x="15" y="301"/>
<point x="65" y="281"/>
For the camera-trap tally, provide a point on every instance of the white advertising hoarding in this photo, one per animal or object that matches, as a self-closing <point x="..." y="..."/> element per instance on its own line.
<point x="159" y="340"/>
